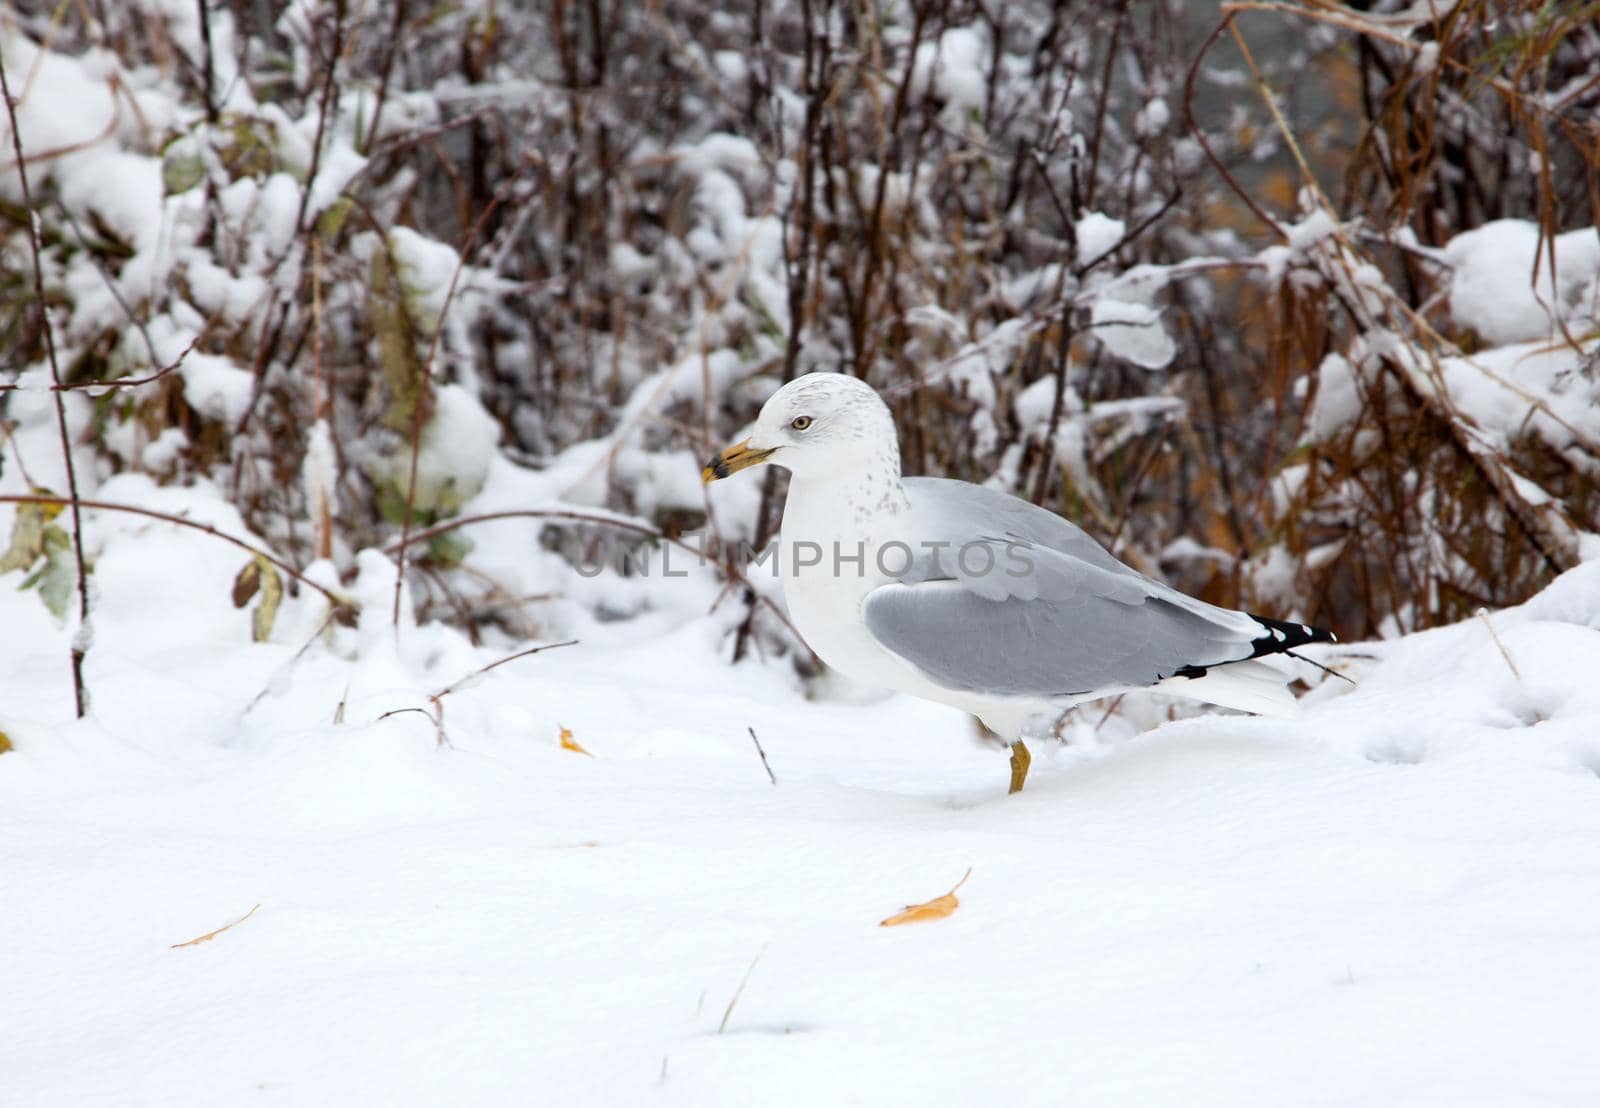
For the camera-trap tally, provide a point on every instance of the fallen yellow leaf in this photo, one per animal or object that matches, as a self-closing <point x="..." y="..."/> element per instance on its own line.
<point x="937" y="908"/>
<point x="569" y="743"/>
<point x="209" y="935"/>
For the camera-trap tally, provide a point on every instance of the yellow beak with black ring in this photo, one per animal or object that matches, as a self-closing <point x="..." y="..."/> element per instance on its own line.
<point x="738" y="456"/>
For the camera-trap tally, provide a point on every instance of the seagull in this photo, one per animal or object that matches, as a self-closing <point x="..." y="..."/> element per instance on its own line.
<point x="969" y="596"/>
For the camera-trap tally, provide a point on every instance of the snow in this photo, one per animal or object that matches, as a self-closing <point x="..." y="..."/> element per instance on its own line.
<point x="60" y="109"/>
<point x="162" y="454"/>
<point x="1493" y="290"/>
<point x="121" y="190"/>
<point x="319" y="472"/>
<point x="734" y="153"/>
<point x="1098" y="234"/>
<point x="1034" y="404"/>
<point x="1152" y="118"/>
<point x="427" y="270"/>
<point x="954" y="69"/>
<point x="339" y="165"/>
<point x="1499" y="389"/>
<point x="215" y="387"/>
<point x="1311" y="230"/>
<point x="230" y="298"/>
<point x="455" y="453"/>
<point x="1132" y="332"/>
<point x="1389" y="900"/>
<point x="1506" y="391"/>
<point x="181" y="20"/>
<point x="1338" y="399"/>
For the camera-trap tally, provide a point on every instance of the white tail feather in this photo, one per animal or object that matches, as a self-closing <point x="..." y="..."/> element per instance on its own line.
<point x="1248" y="686"/>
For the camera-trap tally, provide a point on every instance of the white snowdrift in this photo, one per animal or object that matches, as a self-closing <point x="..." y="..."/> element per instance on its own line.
<point x="1388" y="901"/>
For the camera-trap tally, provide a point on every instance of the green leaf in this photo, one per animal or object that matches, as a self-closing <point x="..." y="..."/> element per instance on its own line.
<point x="182" y="168"/>
<point x="449" y="549"/>
<point x="398" y="358"/>
<point x="57" y="576"/>
<point x="334" y="217"/>
<point x="246" y="152"/>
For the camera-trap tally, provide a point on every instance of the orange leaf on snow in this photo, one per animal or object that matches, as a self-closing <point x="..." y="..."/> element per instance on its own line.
<point x="937" y="908"/>
<point x="569" y="743"/>
<point x="209" y="935"/>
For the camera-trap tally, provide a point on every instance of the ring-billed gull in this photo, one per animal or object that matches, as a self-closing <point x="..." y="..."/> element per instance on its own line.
<point x="972" y="597"/>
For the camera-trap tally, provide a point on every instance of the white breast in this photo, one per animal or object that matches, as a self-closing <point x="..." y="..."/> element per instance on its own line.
<point x="825" y="600"/>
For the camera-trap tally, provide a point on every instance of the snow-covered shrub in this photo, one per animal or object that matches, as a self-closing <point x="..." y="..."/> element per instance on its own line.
<point x="561" y="251"/>
<point x="985" y="211"/>
<point x="224" y="221"/>
<point x="1448" y="307"/>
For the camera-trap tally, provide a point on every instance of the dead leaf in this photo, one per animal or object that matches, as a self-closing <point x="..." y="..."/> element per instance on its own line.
<point x="209" y="935"/>
<point x="937" y="908"/>
<point x="569" y="743"/>
<point x="27" y="538"/>
<point x="271" y="596"/>
<point x="246" y="583"/>
<point x="259" y="576"/>
<point x="5" y="743"/>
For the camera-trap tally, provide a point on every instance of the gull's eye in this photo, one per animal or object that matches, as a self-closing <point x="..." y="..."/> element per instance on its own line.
<point x="800" y="422"/>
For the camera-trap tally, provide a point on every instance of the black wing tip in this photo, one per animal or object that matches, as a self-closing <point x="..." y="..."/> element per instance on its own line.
<point x="1283" y="636"/>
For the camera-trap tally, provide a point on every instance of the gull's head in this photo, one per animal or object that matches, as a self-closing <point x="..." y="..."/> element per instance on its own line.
<point x="822" y="424"/>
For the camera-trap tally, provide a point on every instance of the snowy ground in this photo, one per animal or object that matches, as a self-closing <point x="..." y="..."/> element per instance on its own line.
<point x="1391" y="901"/>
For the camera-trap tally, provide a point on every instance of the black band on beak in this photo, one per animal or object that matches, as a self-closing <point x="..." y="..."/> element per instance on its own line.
<point x="732" y="460"/>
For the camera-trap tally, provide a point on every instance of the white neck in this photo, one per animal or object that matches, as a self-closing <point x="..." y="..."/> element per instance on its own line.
<point x="852" y="495"/>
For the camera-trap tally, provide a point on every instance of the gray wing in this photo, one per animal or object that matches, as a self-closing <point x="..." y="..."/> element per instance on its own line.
<point x="1050" y="613"/>
<point x="956" y="506"/>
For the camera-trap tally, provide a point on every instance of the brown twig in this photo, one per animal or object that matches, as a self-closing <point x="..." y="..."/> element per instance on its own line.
<point x="1200" y="136"/>
<point x="571" y="516"/>
<point x="288" y="667"/>
<point x="122" y="382"/>
<point x="324" y="108"/>
<point x="80" y="692"/>
<point x="207" y="70"/>
<point x="1483" y="614"/>
<point x="469" y="679"/>
<point x="764" y="763"/>
<point x="386" y="69"/>
<point x="436" y="717"/>
<point x="340" y="603"/>
<point x="737" y="993"/>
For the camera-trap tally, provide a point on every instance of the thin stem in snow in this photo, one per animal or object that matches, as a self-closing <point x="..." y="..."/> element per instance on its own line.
<point x="80" y="692"/>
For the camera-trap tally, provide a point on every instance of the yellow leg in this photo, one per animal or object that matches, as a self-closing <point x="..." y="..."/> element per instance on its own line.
<point x="1020" y="761"/>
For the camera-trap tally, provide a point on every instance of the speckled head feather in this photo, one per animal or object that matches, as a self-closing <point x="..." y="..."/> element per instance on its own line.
<point x="829" y="425"/>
